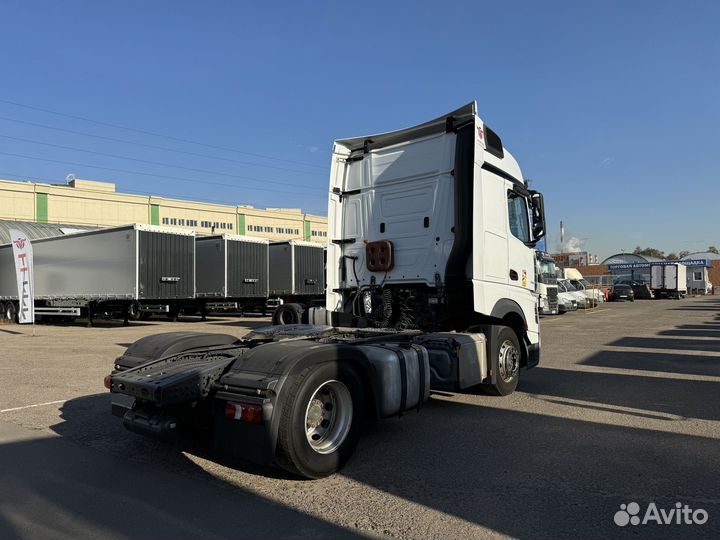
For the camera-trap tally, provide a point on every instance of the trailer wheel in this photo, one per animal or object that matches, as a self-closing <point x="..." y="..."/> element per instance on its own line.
<point x="507" y="358"/>
<point x="321" y="420"/>
<point x="133" y="311"/>
<point x="288" y="314"/>
<point x="10" y="312"/>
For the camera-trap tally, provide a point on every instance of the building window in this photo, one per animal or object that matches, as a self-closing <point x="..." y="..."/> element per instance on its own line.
<point x="697" y="276"/>
<point x="166" y="221"/>
<point x="230" y="226"/>
<point x="173" y="221"/>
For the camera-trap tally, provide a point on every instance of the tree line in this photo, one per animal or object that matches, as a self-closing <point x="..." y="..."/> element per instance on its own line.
<point x="654" y="252"/>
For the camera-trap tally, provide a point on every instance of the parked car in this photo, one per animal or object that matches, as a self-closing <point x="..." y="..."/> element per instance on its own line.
<point x="622" y="292"/>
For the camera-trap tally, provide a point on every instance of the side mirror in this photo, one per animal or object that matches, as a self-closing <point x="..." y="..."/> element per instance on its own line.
<point x="537" y="205"/>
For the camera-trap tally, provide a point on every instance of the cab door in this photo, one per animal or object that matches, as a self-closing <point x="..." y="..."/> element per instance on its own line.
<point x="521" y="259"/>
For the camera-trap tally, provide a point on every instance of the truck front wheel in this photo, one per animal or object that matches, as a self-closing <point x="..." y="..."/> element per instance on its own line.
<point x="321" y="420"/>
<point x="507" y="361"/>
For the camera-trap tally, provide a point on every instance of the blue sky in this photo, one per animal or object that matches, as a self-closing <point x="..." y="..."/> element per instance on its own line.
<point x="610" y="107"/>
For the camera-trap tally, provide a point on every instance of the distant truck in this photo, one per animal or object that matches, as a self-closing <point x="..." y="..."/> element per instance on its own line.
<point x="546" y="284"/>
<point x="668" y="280"/>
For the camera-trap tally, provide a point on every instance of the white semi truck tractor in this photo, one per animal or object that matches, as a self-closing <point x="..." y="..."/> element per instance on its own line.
<point x="430" y="284"/>
<point x="546" y="283"/>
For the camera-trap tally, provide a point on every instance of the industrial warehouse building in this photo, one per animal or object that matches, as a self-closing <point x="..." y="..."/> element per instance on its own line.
<point x="92" y="204"/>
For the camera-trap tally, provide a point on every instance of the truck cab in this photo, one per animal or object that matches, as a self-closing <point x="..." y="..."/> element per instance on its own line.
<point x="433" y="227"/>
<point x="547" y="287"/>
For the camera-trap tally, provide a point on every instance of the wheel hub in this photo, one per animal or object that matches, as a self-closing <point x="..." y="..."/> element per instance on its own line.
<point x="508" y="361"/>
<point x="328" y="417"/>
<point x="315" y="413"/>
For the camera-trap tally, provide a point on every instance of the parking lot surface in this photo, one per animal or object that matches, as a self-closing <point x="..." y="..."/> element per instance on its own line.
<point x="624" y="407"/>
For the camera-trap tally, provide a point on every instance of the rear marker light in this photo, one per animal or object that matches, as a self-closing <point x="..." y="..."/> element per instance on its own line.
<point x="253" y="414"/>
<point x="107" y="381"/>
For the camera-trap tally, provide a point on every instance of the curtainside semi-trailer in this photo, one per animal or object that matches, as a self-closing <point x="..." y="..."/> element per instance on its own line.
<point x="430" y="284"/>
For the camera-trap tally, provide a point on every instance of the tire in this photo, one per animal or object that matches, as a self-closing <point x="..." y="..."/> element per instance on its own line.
<point x="320" y="451"/>
<point x="288" y="314"/>
<point x="133" y="311"/>
<point x="10" y="312"/>
<point x="507" y="381"/>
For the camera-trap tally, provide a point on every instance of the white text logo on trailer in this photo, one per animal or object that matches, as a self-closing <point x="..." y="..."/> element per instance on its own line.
<point x="23" y="255"/>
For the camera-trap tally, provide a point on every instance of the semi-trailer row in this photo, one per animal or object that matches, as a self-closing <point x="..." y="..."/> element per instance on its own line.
<point x="134" y="271"/>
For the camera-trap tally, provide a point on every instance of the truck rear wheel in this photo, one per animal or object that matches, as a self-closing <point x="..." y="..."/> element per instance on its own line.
<point x="321" y="420"/>
<point x="288" y="314"/>
<point x="507" y="357"/>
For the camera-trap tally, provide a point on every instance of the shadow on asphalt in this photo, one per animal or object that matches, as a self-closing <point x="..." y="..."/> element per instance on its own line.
<point x="696" y="308"/>
<point x="476" y="462"/>
<point x="704" y="326"/>
<point x="689" y="332"/>
<point x="675" y="344"/>
<point x="13" y="332"/>
<point x="686" y="398"/>
<point x="57" y="488"/>
<point x="527" y="475"/>
<point x="656" y="361"/>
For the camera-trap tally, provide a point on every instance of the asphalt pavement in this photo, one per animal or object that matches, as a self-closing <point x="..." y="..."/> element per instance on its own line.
<point x="624" y="407"/>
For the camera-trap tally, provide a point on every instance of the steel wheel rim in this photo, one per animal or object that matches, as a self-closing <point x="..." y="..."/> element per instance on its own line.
<point x="508" y="361"/>
<point x="328" y="417"/>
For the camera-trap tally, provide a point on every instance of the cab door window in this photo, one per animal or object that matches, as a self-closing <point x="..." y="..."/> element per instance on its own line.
<point x="518" y="217"/>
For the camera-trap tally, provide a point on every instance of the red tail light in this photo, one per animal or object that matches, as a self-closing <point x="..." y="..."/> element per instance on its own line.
<point x="107" y="381"/>
<point x="244" y="412"/>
